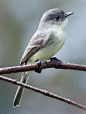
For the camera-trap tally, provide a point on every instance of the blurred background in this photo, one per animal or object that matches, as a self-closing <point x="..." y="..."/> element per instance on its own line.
<point x="19" y="20"/>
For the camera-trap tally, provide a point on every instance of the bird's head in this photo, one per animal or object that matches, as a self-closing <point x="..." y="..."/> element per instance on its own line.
<point x="54" y="18"/>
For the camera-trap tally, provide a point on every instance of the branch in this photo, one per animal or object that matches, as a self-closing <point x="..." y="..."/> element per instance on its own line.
<point x="50" y="64"/>
<point x="44" y="92"/>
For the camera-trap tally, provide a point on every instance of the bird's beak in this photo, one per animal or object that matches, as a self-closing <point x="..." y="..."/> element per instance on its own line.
<point x="68" y="14"/>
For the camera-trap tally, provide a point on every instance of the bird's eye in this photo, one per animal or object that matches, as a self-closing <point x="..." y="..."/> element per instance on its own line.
<point x="57" y="17"/>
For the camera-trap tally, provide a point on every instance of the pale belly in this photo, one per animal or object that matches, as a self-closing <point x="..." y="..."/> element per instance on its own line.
<point x="50" y="49"/>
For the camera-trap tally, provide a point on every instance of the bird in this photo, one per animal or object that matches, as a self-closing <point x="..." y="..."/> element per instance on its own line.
<point x="44" y="44"/>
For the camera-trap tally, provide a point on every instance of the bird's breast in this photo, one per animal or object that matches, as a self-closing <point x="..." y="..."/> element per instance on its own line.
<point x="56" y="41"/>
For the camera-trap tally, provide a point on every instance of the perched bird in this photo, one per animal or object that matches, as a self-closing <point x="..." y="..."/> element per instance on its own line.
<point x="45" y="43"/>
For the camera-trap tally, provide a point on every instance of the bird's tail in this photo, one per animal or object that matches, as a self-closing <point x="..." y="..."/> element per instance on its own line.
<point x="19" y="92"/>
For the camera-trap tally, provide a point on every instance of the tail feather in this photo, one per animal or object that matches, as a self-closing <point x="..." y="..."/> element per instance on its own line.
<point x="18" y="97"/>
<point x="20" y="90"/>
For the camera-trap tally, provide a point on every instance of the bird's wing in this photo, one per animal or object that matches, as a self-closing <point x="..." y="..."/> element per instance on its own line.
<point x="36" y="43"/>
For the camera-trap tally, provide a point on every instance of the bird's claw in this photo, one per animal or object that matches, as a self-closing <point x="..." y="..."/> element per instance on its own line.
<point x="58" y="62"/>
<point x="38" y="62"/>
<point x="55" y="59"/>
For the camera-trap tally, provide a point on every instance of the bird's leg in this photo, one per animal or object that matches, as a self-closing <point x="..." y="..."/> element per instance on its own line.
<point x="38" y="62"/>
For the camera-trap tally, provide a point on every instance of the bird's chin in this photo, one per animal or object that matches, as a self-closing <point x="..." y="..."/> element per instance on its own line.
<point x="64" y="23"/>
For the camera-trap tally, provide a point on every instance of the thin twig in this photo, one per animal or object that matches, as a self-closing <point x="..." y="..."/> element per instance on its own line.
<point x="44" y="92"/>
<point x="50" y="64"/>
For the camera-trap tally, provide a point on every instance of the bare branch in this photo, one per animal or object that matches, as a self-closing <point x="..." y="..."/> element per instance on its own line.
<point x="50" y="64"/>
<point x="44" y="92"/>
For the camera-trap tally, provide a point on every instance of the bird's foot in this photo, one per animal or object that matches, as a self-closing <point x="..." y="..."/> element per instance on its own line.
<point x="56" y="59"/>
<point x="38" y="62"/>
